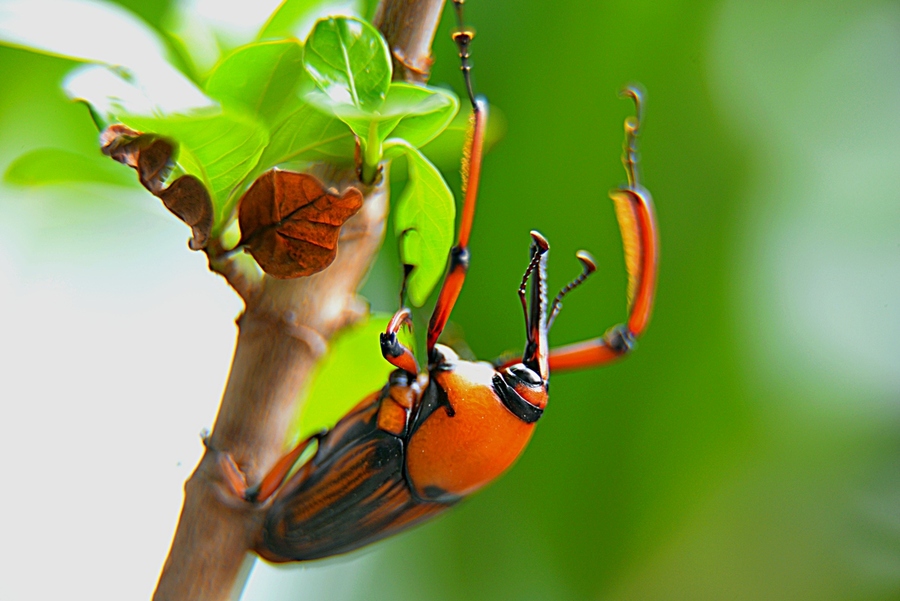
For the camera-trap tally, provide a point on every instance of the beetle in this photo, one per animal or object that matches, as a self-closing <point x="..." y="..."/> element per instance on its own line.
<point x="430" y="438"/>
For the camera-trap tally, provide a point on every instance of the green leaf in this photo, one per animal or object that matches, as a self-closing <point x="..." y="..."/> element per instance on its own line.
<point x="423" y="221"/>
<point x="414" y="113"/>
<point x="259" y="78"/>
<point x="57" y="166"/>
<point x="108" y="92"/>
<point x="295" y="18"/>
<point x="205" y="31"/>
<point x="114" y="91"/>
<point x="99" y="120"/>
<point x="349" y="61"/>
<point x="96" y="32"/>
<point x="307" y="134"/>
<point x="352" y="369"/>
<point x="193" y="40"/>
<point x="357" y="120"/>
<point x="418" y="113"/>
<point x="125" y="52"/>
<point x="424" y="112"/>
<point x="220" y="150"/>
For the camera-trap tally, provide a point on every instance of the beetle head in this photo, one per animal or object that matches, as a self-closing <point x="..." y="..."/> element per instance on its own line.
<point x="537" y="320"/>
<point x="518" y="383"/>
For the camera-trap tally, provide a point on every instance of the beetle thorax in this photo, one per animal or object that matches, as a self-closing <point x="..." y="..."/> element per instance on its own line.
<point x="469" y="435"/>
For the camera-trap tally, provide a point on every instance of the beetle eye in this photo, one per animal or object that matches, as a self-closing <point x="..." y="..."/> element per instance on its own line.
<point x="525" y="374"/>
<point x="399" y="377"/>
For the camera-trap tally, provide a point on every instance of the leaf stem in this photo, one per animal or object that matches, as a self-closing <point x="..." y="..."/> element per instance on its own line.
<point x="372" y="153"/>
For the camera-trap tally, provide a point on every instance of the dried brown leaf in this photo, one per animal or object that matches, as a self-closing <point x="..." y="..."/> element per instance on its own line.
<point x="290" y="223"/>
<point x="187" y="198"/>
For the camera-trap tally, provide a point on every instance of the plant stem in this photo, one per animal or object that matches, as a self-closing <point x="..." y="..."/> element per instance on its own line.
<point x="372" y="154"/>
<point x="281" y="335"/>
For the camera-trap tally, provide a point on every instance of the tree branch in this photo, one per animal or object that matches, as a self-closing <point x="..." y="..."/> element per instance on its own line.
<point x="281" y="335"/>
<point x="241" y="272"/>
<point x="409" y="26"/>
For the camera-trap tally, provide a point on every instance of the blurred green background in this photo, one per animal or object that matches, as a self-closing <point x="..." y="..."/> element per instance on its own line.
<point x="749" y="449"/>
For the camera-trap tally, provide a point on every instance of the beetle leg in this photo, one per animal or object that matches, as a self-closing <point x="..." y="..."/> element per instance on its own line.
<point x="634" y="210"/>
<point x="392" y="349"/>
<point x="272" y="481"/>
<point x="471" y="172"/>
<point x="233" y="475"/>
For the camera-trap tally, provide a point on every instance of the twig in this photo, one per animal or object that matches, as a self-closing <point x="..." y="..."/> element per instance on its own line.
<point x="240" y="271"/>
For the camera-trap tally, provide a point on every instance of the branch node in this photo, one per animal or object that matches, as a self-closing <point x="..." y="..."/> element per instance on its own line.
<point x="317" y="343"/>
<point x="419" y="69"/>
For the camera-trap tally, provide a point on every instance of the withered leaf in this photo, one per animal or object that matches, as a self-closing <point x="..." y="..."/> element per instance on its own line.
<point x="290" y="223"/>
<point x="187" y="198"/>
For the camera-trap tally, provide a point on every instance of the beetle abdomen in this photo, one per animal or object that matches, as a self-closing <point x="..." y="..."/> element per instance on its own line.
<point x="352" y="493"/>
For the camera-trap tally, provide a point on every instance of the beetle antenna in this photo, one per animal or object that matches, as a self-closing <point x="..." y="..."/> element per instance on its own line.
<point x="632" y="128"/>
<point x="523" y="287"/>
<point x="588" y="266"/>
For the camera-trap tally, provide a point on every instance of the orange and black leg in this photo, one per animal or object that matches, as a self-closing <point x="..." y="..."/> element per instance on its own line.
<point x="471" y="172"/>
<point x="272" y="481"/>
<point x="396" y="353"/>
<point x="634" y="210"/>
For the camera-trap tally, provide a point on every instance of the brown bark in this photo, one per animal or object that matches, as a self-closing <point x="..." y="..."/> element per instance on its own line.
<point x="282" y="333"/>
<point x="409" y="26"/>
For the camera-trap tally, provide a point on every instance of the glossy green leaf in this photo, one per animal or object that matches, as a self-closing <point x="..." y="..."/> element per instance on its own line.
<point x="221" y="150"/>
<point x="425" y="115"/>
<point x="357" y="120"/>
<point x="307" y="134"/>
<point x="259" y="78"/>
<point x="423" y="221"/>
<point x="57" y="166"/>
<point x="414" y="113"/>
<point x="349" y="61"/>
<point x="418" y="113"/>
<point x="295" y="18"/>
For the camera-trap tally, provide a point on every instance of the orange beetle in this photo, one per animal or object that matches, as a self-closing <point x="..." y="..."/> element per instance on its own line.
<point x="426" y="440"/>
